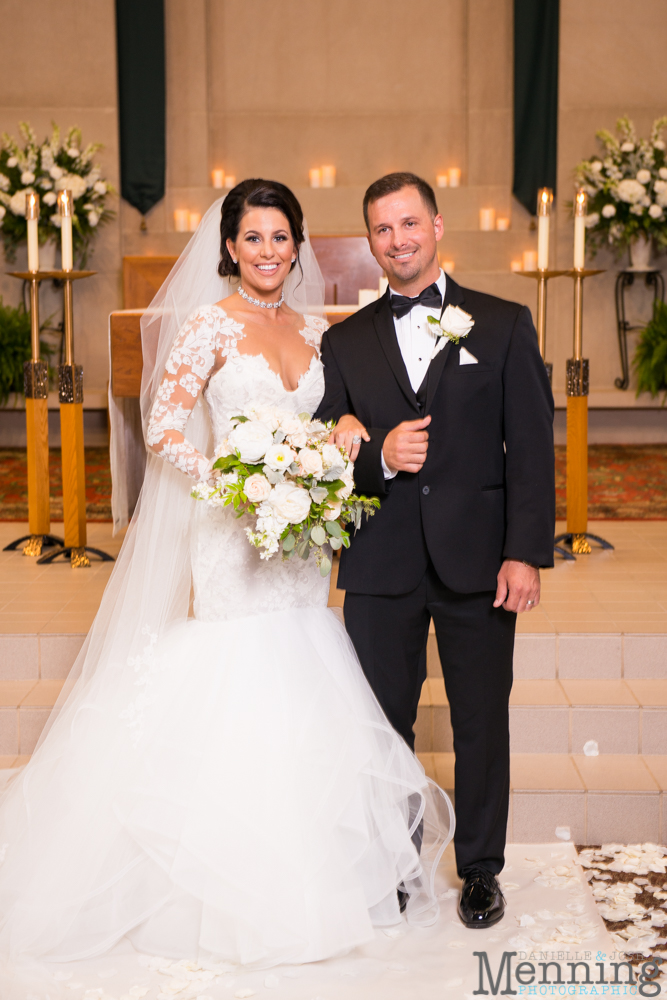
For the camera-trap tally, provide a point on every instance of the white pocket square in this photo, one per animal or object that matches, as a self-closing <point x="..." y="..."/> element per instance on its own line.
<point x="466" y="358"/>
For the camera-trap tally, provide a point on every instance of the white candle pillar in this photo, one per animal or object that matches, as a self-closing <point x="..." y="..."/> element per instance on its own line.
<point x="65" y="208"/>
<point x="32" y="218"/>
<point x="580" y="204"/>
<point x="315" y="177"/>
<point x="544" y="200"/>
<point x="218" y="178"/>
<point x="454" y="174"/>
<point x="328" y="177"/>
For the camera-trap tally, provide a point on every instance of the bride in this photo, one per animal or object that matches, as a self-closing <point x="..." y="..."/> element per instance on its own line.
<point x="218" y="779"/>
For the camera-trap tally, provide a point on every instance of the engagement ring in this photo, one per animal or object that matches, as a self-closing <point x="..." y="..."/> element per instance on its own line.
<point x="356" y="439"/>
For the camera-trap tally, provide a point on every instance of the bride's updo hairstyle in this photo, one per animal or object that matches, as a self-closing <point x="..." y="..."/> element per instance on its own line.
<point x="256" y="193"/>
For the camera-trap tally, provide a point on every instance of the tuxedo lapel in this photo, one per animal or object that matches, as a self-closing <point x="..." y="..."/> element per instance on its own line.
<point x="453" y="297"/>
<point x="383" y="321"/>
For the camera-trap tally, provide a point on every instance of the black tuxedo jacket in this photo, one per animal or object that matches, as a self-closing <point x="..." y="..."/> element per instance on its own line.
<point x="486" y="491"/>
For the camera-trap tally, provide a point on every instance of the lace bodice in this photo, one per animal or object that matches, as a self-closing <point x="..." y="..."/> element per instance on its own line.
<point x="205" y="359"/>
<point x="229" y="578"/>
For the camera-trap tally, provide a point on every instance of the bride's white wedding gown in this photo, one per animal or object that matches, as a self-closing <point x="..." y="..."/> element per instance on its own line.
<point x="246" y="799"/>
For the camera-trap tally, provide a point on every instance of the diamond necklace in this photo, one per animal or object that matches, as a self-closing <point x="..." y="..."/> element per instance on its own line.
<point x="258" y="302"/>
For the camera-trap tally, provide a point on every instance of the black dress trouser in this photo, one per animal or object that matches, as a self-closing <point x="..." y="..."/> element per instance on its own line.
<point x="476" y="644"/>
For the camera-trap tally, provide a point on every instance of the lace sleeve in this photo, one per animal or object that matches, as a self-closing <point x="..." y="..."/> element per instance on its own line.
<point x="313" y="332"/>
<point x="191" y="362"/>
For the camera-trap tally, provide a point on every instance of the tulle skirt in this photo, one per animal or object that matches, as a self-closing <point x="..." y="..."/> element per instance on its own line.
<point x="246" y="800"/>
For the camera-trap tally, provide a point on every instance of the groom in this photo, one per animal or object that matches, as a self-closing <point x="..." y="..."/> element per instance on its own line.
<point x="459" y="448"/>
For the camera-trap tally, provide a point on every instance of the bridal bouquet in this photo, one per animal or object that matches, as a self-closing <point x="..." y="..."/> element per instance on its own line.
<point x="278" y="467"/>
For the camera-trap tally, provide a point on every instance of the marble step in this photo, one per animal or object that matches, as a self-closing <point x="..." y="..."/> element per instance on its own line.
<point x="559" y="716"/>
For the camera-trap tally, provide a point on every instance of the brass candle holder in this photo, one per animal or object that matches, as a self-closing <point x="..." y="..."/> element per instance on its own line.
<point x="542" y="276"/>
<point x="577" y="385"/>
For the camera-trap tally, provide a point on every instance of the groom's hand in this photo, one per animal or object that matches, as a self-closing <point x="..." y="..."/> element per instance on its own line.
<point x="518" y="586"/>
<point x="405" y="447"/>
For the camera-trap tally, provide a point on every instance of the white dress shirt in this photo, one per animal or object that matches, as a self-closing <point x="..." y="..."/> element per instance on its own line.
<point x="416" y="343"/>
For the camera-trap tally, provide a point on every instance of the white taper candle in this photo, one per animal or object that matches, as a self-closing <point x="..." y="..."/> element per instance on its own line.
<point x="32" y="219"/>
<point x="65" y="206"/>
<point x="580" y="203"/>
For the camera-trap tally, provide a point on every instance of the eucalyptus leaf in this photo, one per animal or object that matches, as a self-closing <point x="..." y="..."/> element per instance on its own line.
<point x="279" y="436"/>
<point x="335" y="543"/>
<point x="294" y="468"/>
<point x="325" y="566"/>
<point x="333" y="527"/>
<point x="318" y="534"/>
<point x="272" y="475"/>
<point x="318" y="494"/>
<point x="289" y="541"/>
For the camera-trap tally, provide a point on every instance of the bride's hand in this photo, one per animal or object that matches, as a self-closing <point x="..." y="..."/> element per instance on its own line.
<point x="346" y="430"/>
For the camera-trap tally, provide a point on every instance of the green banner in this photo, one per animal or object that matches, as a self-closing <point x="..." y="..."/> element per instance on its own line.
<point x="141" y="101"/>
<point x="535" y="98"/>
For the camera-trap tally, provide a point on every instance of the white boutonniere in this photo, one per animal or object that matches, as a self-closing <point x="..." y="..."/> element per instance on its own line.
<point x="452" y="325"/>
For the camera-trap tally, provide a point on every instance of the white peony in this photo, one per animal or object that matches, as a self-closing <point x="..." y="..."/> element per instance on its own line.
<point x="3" y="212"/>
<point x="332" y="511"/>
<point x="643" y="176"/>
<point x="655" y="211"/>
<point x="27" y="177"/>
<point x="290" y="424"/>
<point x="251" y="439"/>
<point x="609" y="211"/>
<point x="592" y="219"/>
<point x="56" y="172"/>
<point x="5" y="182"/>
<point x="93" y="218"/>
<point x="257" y="488"/>
<point x="298" y="439"/>
<point x="12" y="161"/>
<point x="72" y="182"/>
<point x="73" y="152"/>
<point x="310" y="462"/>
<point x="627" y="147"/>
<point x="17" y="201"/>
<point x="596" y="166"/>
<point x="331" y="456"/>
<point x="50" y="198"/>
<point x="279" y="457"/>
<point x="661" y="197"/>
<point x="630" y="191"/>
<point x="100" y="187"/>
<point x="658" y="144"/>
<point x="663" y="173"/>
<point x="290" y="502"/>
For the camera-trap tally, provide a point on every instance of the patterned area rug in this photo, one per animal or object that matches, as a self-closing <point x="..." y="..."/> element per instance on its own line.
<point x="625" y="482"/>
<point x="14" y="485"/>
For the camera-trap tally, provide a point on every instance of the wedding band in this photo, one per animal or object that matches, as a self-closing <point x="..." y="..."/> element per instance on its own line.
<point x="530" y="602"/>
<point x="356" y="439"/>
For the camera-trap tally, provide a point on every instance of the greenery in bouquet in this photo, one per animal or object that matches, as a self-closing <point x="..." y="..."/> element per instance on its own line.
<point x="279" y="468"/>
<point x="59" y="163"/>
<point x="626" y="187"/>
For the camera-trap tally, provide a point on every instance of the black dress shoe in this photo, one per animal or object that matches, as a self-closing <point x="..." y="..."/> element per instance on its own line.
<point x="482" y="903"/>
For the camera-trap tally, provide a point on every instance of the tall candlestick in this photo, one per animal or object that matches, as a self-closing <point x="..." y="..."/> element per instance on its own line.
<point x="544" y="200"/>
<point x="580" y="204"/>
<point x="32" y="218"/>
<point x="65" y="208"/>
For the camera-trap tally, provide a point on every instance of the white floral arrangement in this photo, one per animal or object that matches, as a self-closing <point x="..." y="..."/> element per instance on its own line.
<point x="58" y="164"/>
<point x="626" y="187"/>
<point x="279" y="468"/>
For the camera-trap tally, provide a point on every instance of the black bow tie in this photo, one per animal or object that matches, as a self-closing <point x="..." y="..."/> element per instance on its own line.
<point x="430" y="297"/>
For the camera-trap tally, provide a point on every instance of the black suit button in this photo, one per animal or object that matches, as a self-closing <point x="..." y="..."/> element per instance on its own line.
<point x="426" y="490"/>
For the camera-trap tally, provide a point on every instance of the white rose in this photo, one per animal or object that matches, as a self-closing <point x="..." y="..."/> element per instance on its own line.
<point x="56" y="220"/>
<point x="637" y="209"/>
<point x="457" y="321"/>
<point x="331" y="456"/>
<point x="27" y="177"/>
<point x="257" y="488"/>
<point x="56" y="172"/>
<point x="73" y="152"/>
<point x="661" y="197"/>
<point x="5" y="182"/>
<point x="591" y="220"/>
<point x="609" y="211"/>
<point x="45" y="184"/>
<point x="290" y="424"/>
<point x="596" y="166"/>
<point x="310" y="461"/>
<point x="290" y="502"/>
<point x="630" y="191"/>
<point x="627" y="147"/>
<point x="12" y="161"/>
<point x="279" y="457"/>
<point x="72" y="182"/>
<point x="93" y="218"/>
<point x="100" y="187"/>
<point x="299" y="439"/>
<point x="658" y="144"/>
<point x="663" y="173"/>
<point x="345" y="491"/>
<point x="655" y="211"/>
<point x="17" y="201"/>
<point x="3" y="212"/>
<point x="332" y="511"/>
<point x="50" y="198"/>
<point x="643" y="176"/>
<point x="251" y="439"/>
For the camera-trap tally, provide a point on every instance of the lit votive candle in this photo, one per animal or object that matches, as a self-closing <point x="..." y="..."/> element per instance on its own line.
<point x="454" y="177"/>
<point x="194" y="218"/>
<point x="502" y="225"/>
<point x="218" y="178"/>
<point x="32" y="218"/>
<point x="487" y="219"/>
<point x="315" y="177"/>
<point x="544" y="200"/>
<point x="181" y="220"/>
<point x="328" y="177"/>
<point x="580" y="203"/>
<point x="230" y="180"/>
<point x="529" y="260"/>
<point x="65" y="209"/>
<point x="516" y="265"/>
<point x="448" y="266"/>
<point x="442" y="180"/>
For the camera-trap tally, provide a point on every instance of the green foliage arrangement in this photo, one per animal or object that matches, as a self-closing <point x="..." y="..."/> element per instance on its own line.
<point x="650" y="361"/>
<point x="15" y="348"/>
